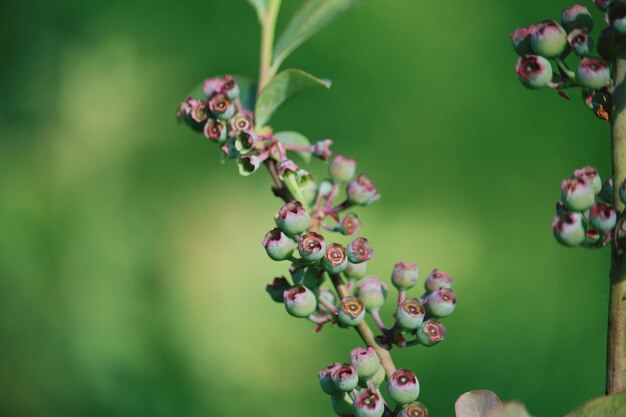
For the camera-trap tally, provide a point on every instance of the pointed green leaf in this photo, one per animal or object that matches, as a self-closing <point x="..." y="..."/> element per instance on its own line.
<point x="612" y="405"/>
<point x="297" y="139"/>
<point x="260" y="6"/>
<point x="477" y="404"/>
<point x="312" y="17"/>
<point x="512" y="409"/>
<point x="280" y="88"/>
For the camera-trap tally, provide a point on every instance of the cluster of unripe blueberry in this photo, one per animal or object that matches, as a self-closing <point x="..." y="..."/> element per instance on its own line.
<point x="354" y="387"/>
<point x="585" y="215"/>
<point x="550" y="40"/>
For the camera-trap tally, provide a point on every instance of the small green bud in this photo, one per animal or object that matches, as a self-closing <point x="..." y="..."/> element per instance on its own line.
<point x="441" y="303"/>
<point x="548" y="39"/>
<point x="568" y="228"/>
<point x="414" y="409"/>
<point x="230" y="87"/>
<point x="372" y="292"/>
<point x="345" y="377"/>
<point x="293" y="218"/>
<point x="356" y="271"/>
<point x="365" y="361"/>
<point x="359" y="250"/>
<point x="581" y="42"/>
<point x="521" y="41"/>
<point x="576" y="17"/>
<point x="403" y="386"/>
<point x="342" y="168"/>
<point x="312" y="246"/>
<point x="593" y="73"/>
<point x="368" y="403"/>
<point x="576" y="194"/>
<point x="325" y="187"/>
<point x="349" y="224"/>
<point x="335" y="259"/>
<point x="215" y="130"/>
<point x="534" y="71"/>
<point x="431" y="332"/>
<point x="278" y="246"/>
<point x="590" y="175"/>
<point x="404" y="276"/>
<point x="300" y="301"/>
<point x="410" y="314"/>
<point x="248" y="164"/>
<point x="362" y="191"/>
<point x="351" y="312"/>
<point x="602" y="217"/>
<point x="326" y="381"/>
<point x="221" y="106"/>
<point x="436" y="280"/>
<point x="307" y="184"/>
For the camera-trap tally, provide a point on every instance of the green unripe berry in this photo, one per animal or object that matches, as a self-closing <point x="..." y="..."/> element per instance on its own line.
<point x="349" y="224"/>
<point x="221" y="106"/>
<point x="534" y="71"/>
<point x="362" y="191"/>
<point x="576" y="194"/>
<point x="365" y="361"/>
<point x="312" y="246"/>
<point x="335" y="259"/>
<point x="404" y="276"/>
<point x="307" y="184"/>
<point x="590" y="175"/>
<point x="602" y="217"/>
<point x="431" y="332"/>
<point x="377" y="380"/>
<point x="548" y="39"/>
<point x="436" y="280"/>
<point x="414" y="409"/>
<point x="277" y="245"/>
<point x="569" y="229"/>
<point x="310" y="276"/>
<point x="300" y="301"/>
<point x="441" y="303"/>
<point x="368" y="403"/>
<point x="215" y="130"/>
<point x="521" y="41"/>
<point x="345" y="377"/>
<point x="356" y="271"/>
<point x="342" y="404"/>
<point x="606" y="193"/>
<point x="359" y="250"/>
<point x="576" y="17"/>
<point x="372" y="292"/>
<point x="351" y="312"/>
<point x="403" y="386"/>
<point x="230" y="87"/>
<point x="293" y="218"/>
<point x="410" y="314"/>
<point x="593" y="73"/>
<point x="277" y="288"/>
<point x="342" y="168"/>
<point x="326" y="381"/>
<point x="581" y="42"/>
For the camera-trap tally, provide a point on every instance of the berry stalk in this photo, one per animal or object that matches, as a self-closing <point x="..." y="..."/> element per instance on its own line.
<point x="616" y="344"/>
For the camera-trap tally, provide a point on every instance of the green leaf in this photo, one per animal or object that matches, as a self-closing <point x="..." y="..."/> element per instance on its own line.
<point x="312" y="17"/>
<point x="247" y="91"/>
<point x="297" y="139"/>
<point x="612" y="405"/>
<point x="477" y="404"/>
<point x="280" y="88"/>
<point x="260" y="6"/>
<point x="512" y="409"/>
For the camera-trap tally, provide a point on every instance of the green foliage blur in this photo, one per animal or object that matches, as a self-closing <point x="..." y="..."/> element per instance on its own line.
<point x="131" y="271"/>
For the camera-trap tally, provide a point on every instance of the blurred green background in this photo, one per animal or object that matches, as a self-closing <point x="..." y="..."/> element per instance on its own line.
<point x="131" y="271"/>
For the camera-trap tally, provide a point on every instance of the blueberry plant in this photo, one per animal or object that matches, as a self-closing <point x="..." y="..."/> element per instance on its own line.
<point x="328" y="281"/>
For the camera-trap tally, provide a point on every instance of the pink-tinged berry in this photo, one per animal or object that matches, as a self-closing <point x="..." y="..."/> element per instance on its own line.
<point x="215" y="130"/>
<point x="245" y="141"/>
<point x="590" y="175"/>
<point x="403" y="386"/>
<point x="602" y="217"/>
<point x="365" y="361"/>
<point x="414" y="409"/>
<point x="200" y="111"/>
<point x="548" y="39"/>
<point x="300" y="301"/>
<point x="581" y="42"/>
<point x="277" y="288"/>
<point x="362" y="191"/>
<point x="410" y="314"/>
<point x="248" y="164"/>
<point x="569" y="229"/>
<point x="326" y="380"/>
<point x="617" y="18"/>
<point x="534" y="71"/>
<point x="372" y="292"/>
<point x="342" y="404"/>
<point x="520" y="38"/>
<point x="404" y="276"/>
<point x="441" y="303"/>
<point x="368" y="403"/>
<point x="593" y="73"/>
<point x="359" y="250"/>
<point x="431" y="332"/>
<point x="230" y="87"/>
<point x="576" y="17"/>
<point x="345" y="377"/>
<point x="221" y="106"/>
<point x="436" y="280"/>
<point x="241" y="122"/>
<point x="603" y="4"/>
<point x="356" y="271"/>
<point x="351" y="311"/>
<point x="335" y="260"/>
<point x="312" y="246"/>
<point x="321" y="149"/>
<point x="342" y="168"/>
<point x="285" y="166"/>
<point x="349" y="224"/>
<point x="277" y="245"/>
<point x="212" y="86"/>
<point x="606" y="44"/>
<point x="293" y="218"/>
<point x="622" y="192"/>
<point x="576" y="194"/>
